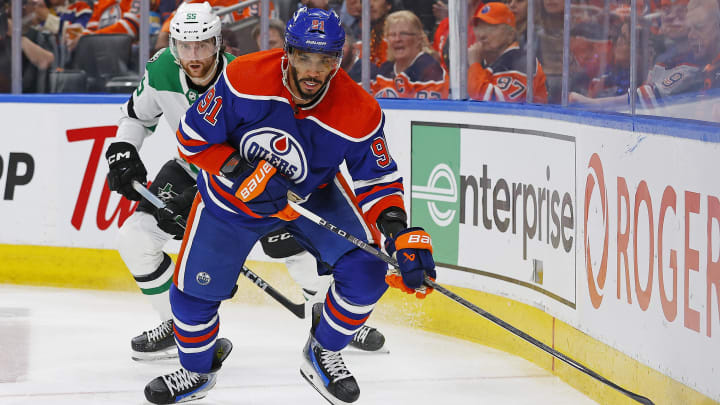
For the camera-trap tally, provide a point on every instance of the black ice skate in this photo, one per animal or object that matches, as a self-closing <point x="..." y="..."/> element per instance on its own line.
<point x="155" y="344"/>
<point x="184" y="385"/>
<point x="367" y="339"/>
<point x="327" y="373"/>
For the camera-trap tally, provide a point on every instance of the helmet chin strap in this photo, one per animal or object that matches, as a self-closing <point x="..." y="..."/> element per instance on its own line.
<point x="285" y="67"/>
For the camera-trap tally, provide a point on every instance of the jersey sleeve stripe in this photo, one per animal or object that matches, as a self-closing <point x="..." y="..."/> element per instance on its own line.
<point x="189" y="142"/>
<point x="188" y="132"/>
<point x="393" y="187"/>
<point x="361" y="185"/>
<point x="369" y="203"/>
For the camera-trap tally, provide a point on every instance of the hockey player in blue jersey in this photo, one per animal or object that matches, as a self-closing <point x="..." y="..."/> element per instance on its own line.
<point x="284" y="121"/>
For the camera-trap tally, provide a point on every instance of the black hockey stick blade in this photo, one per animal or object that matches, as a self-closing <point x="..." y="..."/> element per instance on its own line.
<point x="297" y="309"/>
<point x="469" y="305"/>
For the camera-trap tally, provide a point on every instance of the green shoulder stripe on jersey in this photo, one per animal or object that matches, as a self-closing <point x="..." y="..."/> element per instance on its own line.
<point x="164" y="73"/>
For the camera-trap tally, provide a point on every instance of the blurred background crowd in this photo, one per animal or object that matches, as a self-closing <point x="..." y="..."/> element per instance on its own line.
<point x="660" y="57"/>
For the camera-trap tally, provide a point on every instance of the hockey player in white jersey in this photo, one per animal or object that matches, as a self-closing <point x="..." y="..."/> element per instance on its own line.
<point x="174" y="78"/>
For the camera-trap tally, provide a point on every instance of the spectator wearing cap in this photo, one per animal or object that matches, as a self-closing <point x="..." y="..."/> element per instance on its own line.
<point x="497" y="64"/>
<point x="411" y="71"/>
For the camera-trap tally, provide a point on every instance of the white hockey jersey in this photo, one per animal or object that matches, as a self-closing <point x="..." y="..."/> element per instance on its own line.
<point x="164" y="91"/>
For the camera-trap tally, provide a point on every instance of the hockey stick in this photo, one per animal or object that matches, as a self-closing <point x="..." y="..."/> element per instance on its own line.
<point x="297" y="309"/>
<point x="469" y="305"/>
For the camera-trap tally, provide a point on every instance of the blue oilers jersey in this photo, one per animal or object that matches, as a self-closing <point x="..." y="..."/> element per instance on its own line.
<point x="250" y="110"/>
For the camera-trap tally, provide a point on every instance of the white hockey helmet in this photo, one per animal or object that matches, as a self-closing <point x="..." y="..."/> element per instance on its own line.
<point x="194" y="22"/>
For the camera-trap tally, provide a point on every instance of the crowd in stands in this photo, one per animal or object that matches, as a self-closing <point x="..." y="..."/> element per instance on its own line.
<point x="678" y="52"/>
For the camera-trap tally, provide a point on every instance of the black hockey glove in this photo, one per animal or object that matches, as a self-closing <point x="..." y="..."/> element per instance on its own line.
<point x="175" y="209"/>
<point x="125" y="166"/>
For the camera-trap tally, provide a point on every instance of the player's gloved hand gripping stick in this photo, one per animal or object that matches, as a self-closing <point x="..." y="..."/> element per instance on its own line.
<point x="412" y="248"/>
<point x="297" y="309"/>
<point x="265" y="191"/>
<point x="467" y="304"/>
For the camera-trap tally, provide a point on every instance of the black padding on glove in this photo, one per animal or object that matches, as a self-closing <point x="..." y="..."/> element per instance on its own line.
<point x="125" y="166"/>
<point x="176" y="208"/>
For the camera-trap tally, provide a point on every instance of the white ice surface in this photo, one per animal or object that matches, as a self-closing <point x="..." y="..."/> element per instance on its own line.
<point x="69" y="346"/>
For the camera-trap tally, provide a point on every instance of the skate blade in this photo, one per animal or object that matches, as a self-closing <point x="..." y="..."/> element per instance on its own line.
<point x="198" y="395"/>
<point x="352" y="350"/>
<point x="154" y="356"/>
<point x="311" y="376"/>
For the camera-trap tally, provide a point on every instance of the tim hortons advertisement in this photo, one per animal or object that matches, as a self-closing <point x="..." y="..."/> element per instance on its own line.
<point x="512" y="224"/>
<point x="650" y="251"/>
<point x="52" y="174"/>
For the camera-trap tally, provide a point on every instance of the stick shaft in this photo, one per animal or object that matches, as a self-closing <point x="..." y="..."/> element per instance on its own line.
<point x="469" y="305"/>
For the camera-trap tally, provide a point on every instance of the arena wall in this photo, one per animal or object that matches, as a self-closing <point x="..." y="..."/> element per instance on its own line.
<point x="598" y="234"/>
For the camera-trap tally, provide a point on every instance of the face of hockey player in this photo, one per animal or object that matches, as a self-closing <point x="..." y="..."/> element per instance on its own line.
<point x="403" y="40"/>
<point x="197" y="57"/>
<point x="310" y="71"/>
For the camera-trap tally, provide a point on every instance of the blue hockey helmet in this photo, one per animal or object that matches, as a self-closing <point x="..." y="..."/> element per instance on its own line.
<point x="315" y="30"/>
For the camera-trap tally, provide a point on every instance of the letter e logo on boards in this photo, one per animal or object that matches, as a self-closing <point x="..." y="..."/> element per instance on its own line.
<point x="434" y="192"/>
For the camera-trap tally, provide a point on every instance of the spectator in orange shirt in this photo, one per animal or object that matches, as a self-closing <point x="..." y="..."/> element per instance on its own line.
<point x="497" y="64"/>
<point x="411" y="70"/>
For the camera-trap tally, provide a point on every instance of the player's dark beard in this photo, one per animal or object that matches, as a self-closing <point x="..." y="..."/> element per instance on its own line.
<point x="296" y="80"/>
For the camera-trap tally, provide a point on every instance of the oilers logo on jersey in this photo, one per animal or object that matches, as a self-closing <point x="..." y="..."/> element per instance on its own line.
<point x="278" y="148"/>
